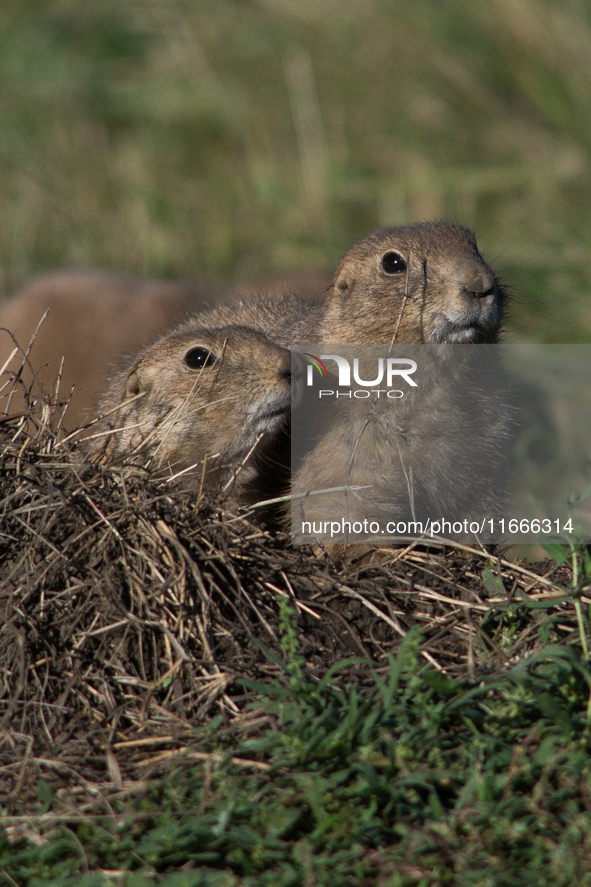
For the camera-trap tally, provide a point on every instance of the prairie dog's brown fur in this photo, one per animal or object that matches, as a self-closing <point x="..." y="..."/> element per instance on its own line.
<point x="423" y="283"/>
<point x="217" y="395"/>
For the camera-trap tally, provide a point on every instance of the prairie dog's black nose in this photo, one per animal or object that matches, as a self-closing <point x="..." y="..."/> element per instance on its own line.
<point x="283" y="365"/>
<point x="299" y="367"/>
<point x="285" y="372"/>
<point x="479" y="283"/>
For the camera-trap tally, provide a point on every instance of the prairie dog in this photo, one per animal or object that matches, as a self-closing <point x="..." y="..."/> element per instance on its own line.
<point x="207" y="403"/>
<point x="414" y="284"/>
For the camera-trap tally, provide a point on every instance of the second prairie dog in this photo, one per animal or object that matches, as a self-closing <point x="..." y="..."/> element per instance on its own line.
<point x="97" y="320"/>
<point x="205" y="402"/>
<point x="413" y="284"/>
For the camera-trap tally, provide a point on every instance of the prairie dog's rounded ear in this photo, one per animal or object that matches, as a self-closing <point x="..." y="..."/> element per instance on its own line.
<point x="344" y="279"/>
<point x="135" y="384"/>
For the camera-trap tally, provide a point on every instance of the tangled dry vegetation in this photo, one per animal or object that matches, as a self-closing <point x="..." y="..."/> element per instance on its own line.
<point x="128" y="612"/>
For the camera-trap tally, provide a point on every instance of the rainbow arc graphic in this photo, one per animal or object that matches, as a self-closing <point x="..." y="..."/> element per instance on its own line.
<point x="314" y="362"/>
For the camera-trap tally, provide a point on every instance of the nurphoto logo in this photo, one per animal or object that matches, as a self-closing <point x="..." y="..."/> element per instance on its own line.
<point x="390" y="367"/>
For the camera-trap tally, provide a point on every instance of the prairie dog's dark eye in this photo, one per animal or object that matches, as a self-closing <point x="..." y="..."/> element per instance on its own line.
<point x="199" y="358"/>
<point x="393" y="263"/>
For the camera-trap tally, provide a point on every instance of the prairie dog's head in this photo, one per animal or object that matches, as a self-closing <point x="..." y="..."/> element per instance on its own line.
<point x="414" y="284"/>
<point x="197" y="393"/>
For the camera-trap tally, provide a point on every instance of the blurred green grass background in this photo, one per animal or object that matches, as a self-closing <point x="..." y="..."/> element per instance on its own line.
<point x="232" y="139"/>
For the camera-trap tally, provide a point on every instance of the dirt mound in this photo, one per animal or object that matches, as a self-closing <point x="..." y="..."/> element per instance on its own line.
<point x="127" y="613"/>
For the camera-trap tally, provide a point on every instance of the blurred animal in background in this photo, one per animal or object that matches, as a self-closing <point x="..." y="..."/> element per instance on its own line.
<point x="96" y="320"/>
